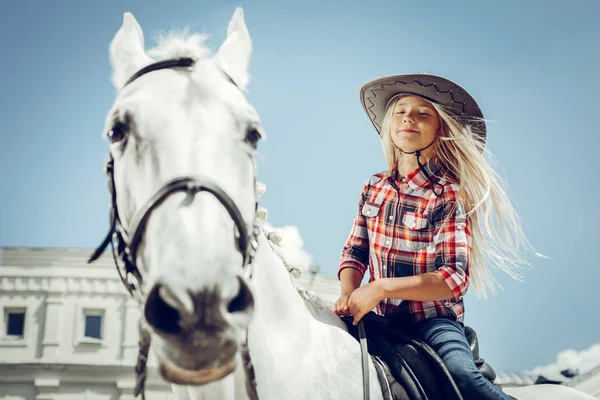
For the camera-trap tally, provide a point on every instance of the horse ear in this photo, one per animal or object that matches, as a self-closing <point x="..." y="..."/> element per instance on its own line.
<point x="234" y="54"/>
<point x="127" y="53"/>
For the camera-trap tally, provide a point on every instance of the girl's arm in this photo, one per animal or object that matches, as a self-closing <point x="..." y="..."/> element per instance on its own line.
<point x="430" y="286"/>
<point x="355" y="254"/>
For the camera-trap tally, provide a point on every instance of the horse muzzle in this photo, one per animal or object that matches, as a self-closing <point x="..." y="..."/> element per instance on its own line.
<point x="179" y="376"/>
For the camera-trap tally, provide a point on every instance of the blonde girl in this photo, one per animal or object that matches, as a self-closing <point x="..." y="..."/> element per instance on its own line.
<point x="429" y="227"/>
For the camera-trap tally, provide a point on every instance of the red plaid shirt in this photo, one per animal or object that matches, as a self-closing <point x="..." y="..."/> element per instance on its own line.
<point x="403" y="229"/>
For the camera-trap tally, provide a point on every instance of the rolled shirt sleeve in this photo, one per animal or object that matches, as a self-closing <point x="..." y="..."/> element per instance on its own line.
<point x="452" y="239"/>
<point x="355" y="253"/>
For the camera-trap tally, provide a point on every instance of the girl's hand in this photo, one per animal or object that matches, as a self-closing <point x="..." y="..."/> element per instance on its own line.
<point x="364" y="299"/>
<point x="341" y="305"/>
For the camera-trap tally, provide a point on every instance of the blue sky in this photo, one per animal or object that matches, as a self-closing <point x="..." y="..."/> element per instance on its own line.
<point x="532" y="66"/>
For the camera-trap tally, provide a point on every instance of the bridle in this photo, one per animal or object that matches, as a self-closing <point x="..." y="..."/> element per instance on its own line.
<point x="125" y="243"/>
<point x="128" y="242"/>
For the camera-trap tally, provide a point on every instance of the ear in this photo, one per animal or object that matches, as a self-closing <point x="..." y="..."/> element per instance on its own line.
<point x="234" y="54"/>
<point x="127" y="53"/>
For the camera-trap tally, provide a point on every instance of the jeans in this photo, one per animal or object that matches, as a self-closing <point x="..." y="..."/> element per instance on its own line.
<point x="447" y="338"/>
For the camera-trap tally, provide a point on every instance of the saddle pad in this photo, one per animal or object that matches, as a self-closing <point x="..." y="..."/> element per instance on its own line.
<point x="390" y="387"/>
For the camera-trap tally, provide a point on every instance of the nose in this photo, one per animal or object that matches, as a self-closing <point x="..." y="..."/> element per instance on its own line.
<point x="169" y="313"/>
<point x="408" y="117"/>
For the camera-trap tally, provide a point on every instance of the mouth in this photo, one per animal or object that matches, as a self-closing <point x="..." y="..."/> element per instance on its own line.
<point x="180" y="376"/>
<point x="408" y="131"/>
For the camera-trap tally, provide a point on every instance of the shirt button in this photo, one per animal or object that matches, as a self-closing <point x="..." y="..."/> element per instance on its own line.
<point x="384" y="267"/>
<point x="368" y="211"/>
<point x="388" y="242"/>
<point x="391" y="217"/>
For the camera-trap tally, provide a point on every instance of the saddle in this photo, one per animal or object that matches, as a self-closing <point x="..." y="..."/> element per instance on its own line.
<point x="407" y="368"/>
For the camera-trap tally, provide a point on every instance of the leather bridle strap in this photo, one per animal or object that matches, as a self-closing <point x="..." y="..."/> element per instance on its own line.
<point x="190" y="185"/>
<point x="169" y="64"/>
<point x="166" y="64"/>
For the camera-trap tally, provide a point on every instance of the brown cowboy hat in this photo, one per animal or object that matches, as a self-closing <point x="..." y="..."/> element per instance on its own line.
<point x="375" y="96"/>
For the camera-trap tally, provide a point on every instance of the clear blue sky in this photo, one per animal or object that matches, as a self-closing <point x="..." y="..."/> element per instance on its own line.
<point x="533" y="66"/>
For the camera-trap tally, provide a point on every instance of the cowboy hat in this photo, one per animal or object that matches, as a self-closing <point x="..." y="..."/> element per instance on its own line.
<point x="376" y="94"/>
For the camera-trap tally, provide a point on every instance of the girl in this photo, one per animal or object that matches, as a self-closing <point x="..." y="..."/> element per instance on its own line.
<point x="424" y="227"/>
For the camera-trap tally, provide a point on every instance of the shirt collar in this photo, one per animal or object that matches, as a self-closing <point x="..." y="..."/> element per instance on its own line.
<point x="417" y="179"/>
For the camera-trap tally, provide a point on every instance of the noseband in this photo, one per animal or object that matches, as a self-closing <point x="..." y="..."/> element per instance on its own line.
<point x="128" y="241"/>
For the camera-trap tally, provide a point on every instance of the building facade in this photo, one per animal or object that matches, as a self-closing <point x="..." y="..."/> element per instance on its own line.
<point x="69" y="329"/>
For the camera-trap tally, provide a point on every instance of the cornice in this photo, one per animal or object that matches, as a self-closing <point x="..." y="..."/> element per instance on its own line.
<point x="16" y="283"/>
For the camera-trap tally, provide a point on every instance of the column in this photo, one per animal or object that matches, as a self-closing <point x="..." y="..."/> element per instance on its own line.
<point x="52" y="328"/>
<point x="130" y="334"/>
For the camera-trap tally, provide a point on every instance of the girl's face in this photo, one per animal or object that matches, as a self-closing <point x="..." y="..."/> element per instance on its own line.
<point x="415" y="124"/>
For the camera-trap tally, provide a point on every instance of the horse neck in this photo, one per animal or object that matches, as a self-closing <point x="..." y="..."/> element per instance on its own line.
<point x="281" y="328"/>
<point x="297" y="353"/>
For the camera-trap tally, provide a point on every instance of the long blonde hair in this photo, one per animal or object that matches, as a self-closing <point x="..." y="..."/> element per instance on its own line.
<point x="462" y="155"/>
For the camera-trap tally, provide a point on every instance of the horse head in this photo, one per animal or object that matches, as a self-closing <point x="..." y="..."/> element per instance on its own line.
<point x="182" y="140"/>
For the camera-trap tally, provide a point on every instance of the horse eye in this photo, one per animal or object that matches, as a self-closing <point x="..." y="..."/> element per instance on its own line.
<point x="253" y="135"/>
<point x="118" y="132"/>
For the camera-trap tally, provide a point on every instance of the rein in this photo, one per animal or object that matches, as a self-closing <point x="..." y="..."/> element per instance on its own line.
<point x="364" y="354"/>
<point x="125" y="244"/>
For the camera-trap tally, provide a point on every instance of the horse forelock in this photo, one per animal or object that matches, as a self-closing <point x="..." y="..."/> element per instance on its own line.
<point x="176" y="44"/>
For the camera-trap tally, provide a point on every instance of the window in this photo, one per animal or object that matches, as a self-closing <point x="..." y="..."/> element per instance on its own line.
<point x="14" y="322"/>
<point x="90" y="324"/>
<point x="93" y="324"/>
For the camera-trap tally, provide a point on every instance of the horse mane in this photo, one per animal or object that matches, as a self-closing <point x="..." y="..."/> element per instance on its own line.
<point x="310" y="297"/>
<point x="176" y="44"/>
<point x="274" y="239"/>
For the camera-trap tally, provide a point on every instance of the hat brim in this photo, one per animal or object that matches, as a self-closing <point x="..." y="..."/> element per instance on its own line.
<point x="376" y="94"/>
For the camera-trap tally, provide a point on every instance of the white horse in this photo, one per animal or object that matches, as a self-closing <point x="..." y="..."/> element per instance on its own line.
<point x="189" y="120"/>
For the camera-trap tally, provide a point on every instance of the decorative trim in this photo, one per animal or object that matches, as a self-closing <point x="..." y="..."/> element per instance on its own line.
<point x="62" y="285"/>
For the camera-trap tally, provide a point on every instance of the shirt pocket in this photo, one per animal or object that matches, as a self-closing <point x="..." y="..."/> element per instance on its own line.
<point x="417" y="230"/>
<point x="370" y="210"/>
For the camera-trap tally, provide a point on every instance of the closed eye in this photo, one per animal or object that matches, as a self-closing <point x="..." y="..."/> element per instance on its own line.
<point x="421" y="113"/>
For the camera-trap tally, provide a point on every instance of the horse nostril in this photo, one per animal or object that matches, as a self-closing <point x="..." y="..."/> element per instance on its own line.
<point x="159" y="314"/>
<point x="243" y="301"/>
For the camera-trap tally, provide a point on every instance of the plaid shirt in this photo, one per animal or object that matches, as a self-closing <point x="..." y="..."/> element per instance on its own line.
<point x="403" y="229"/>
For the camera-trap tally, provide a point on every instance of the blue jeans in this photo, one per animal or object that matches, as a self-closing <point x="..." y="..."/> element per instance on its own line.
<point x="447" y="338"/>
